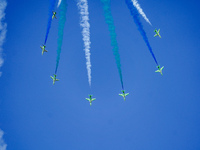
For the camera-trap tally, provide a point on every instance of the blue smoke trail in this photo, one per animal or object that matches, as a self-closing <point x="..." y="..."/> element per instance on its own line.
<point x="136" y="18"/>
<point x="51" y="9"/>
<point x="109" y="21"/>
<point x="62" y="20"/>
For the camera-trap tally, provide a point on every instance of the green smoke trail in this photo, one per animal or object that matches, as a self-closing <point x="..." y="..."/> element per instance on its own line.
<point x="62" y="19"/>
<point x="109" y="21"/>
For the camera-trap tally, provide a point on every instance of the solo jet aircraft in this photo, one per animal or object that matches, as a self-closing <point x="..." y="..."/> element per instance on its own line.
<point x="157" y="33"/>
<point x="43" y="49"/>
<point x="54" y="15"/>
<point x="90" y="99"/>
<point x="54" y="78"/>
<point x="159" y="69"/>
<point x="124" y="94"/>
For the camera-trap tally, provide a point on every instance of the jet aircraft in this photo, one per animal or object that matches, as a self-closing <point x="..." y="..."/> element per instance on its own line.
<point x="54" y="15"/>
<point x="90" y="99"/>
<point x="54" y="78"/>
<point x="157" y="33"/>
<point x="124" y="94"/>
<point x="43" y="49"/>
<point x="159" y="69"/>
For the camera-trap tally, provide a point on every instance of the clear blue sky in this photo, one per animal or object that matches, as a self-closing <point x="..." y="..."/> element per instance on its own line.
<point x="160" y="113"/>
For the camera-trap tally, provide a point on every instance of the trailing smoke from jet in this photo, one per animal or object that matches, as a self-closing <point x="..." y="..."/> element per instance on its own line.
<point x="59" y="2"/>
<point x="109" y="21"/>
<point x="3" y="29"/>
<point x="61" y="25"/>
<point x="84" y="23"/>
<point x="136" y="19"/>
<point x="137" y="5"/>
<point x="51" y="9"/>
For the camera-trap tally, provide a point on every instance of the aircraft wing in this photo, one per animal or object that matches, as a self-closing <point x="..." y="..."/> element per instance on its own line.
<point x="158" y="30"/>
<point x="57" y="79"/>
<point x="121" y="94"/>
<point x="126" y="94"/>
<point x="51" y="77"/>
<point x="93" y="99"/>
<point x="157" y="71"/>
<point x="87" y="99"/>
<point x="155" y="35"/>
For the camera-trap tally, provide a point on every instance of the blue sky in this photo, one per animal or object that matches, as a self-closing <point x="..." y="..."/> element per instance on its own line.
<point x="161" y="112"/>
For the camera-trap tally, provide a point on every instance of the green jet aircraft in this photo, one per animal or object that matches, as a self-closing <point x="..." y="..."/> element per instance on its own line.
<point x="54" y="78"/>
<point x="43" y="49"/>
<point x="159" y="69"/>
<point x="90" y="99"/>
<point x="157" y="33"/>
<point x="124" y="94"/>
<point x="54" y="15"/>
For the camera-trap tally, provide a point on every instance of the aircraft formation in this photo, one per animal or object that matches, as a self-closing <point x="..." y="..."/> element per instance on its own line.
<point x="135" y="10"/>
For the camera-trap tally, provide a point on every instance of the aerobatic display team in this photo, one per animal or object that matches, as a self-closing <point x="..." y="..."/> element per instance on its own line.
<point x="135" y="11"/>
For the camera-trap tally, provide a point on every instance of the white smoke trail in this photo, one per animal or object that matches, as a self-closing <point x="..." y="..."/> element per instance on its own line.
<point x="2" y="143"/>
<point x="3" y="28"/>
<point x="59" y="2"/>
<point x="137" y="5"/>
<point x="83" y="7"/>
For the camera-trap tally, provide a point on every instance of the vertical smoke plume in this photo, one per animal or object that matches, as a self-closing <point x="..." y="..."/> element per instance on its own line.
<point x="51" y="9"/>
<point x="137" y="5"/>
<point x="136" y="18"/>
<point x="62" y="20"/>
<point x="84" y="23"/>
<point x="3" y="145"/>
<point x="3" y="28"/>
<point x="109" y="21"/>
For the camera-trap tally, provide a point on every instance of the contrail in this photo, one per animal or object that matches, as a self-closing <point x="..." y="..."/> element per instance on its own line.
<point x="84" y="23"/>
<point x="3" y="145"/>
<point x="51" y="9"/>
<point x="109" y="21"/>
<point x="61" y="25"/>
<point x="59" y="2"/>
<point x="136" y="18"/>
<point x="3" y="29"/>
<point x="137" y="5"/>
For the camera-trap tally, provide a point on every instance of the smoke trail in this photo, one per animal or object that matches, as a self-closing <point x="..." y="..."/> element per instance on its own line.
<point x="137" y="5"/>
<point x="3" y="145"/>
<point x="135" y="15"/>
<point x="62" y="19"/>
<point x="83" y="7"/>
<point x="51" y="9"/>
<point x="59" y="2"/>
<point x="109" y="21"/>
<point x="3" y="29"/>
